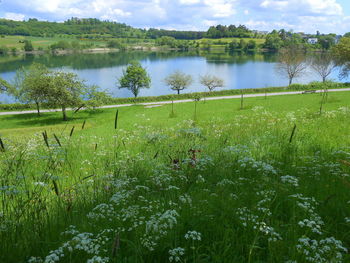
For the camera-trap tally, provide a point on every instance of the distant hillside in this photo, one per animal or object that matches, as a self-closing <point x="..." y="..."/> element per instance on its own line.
<point x="96" y="28"/>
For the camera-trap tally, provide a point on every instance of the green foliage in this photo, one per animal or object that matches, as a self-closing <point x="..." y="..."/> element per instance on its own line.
<point x="3" y="50"/>
<point x="221" y="31"/>
<point x="62" y="44"/>
<point x="32" y="84"/>
<point x="166" y="41"/>
<point x="66" y="90"/>
<point x="230" y="187"/>
<point x="116" y="44"/>
<point x="4" y="85"/>
<point x="28" y="47"/>
<point x="178" y="81"/>
<point x="134" y="78"/>
<point x="94" y="97"/>
<point x="273" y="41"/>
<point x="342" y="55"/>
<point x="326" y="42"/>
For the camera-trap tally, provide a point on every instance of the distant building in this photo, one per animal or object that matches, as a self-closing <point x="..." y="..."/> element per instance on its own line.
<point x="312" y="41"/>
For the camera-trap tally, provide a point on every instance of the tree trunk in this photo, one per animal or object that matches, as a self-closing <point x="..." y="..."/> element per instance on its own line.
<point x="290" y="81"/>
<point x="64" y="113"/>
<point x="178" y="92"/>
<point x="38" y="108"/>
<point x="323" y="79"/>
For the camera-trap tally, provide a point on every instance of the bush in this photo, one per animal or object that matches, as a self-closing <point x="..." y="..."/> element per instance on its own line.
<point x="28" y="47"/>
<point x="3" y="50"/>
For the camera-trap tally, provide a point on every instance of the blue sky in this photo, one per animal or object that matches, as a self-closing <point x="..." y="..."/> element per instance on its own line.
<point x="299" y="15"/>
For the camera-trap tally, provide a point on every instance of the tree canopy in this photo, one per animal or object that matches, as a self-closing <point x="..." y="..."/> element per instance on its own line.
<point x="291" y="62"/>
<point x="178" y="81"/>
<point x="211" y="82"/>
<point x="342" y="55"/>
<point x="32" y="84"/>
<point x="66" y="90"/>
<point x="134" y="78"/>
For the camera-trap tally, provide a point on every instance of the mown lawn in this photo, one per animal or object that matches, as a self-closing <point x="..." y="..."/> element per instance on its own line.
<point x="204" y="182"/>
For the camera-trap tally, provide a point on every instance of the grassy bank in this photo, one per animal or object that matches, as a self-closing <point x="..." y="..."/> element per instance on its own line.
<point x="202" y="182"/>
<point x="194" y="95"/>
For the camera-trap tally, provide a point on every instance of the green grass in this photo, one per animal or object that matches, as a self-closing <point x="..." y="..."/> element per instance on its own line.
<point x="45" y="42"/>
<point x="194" y="95"/>
<point x="134" y="193"/>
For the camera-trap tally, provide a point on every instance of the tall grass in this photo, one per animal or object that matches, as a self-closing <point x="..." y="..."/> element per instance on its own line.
<point x="238" y="188"/>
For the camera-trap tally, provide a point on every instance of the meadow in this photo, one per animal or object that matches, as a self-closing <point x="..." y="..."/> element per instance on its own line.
<point x="207" y="181"/>
<point x="43" y="43"/>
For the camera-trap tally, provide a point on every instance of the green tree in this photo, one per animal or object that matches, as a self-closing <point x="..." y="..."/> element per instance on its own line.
<point x="28" y="46"/>
<point x="326" y="42"/>
<point x="134" y="78"/>
<point x="32" y="84"/>
<point x="95" y="97"/>
<point x="273" y="41"/>
<point x="4" y="85"/>
<point x="66" y="90"/>
<point x="211" y="82"/>
<point x="251" y="45"/>
<point x="178" y="81"/>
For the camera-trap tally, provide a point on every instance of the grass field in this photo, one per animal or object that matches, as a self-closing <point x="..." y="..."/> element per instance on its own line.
<point x="202" y="182"/>
<point x="44" y="42"/>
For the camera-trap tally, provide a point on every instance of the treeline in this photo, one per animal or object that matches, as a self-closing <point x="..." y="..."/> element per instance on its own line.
<point x="84" y="27"/>
<point x="185" y="35"/>
<point x="282" y="38"/>
<point x="74" y="26"/>
<point x="221" y="31"/>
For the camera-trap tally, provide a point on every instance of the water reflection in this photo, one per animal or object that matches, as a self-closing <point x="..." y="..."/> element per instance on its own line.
<point x="239" y="70"/>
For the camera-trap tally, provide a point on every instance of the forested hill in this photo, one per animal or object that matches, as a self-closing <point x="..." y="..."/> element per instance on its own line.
<point x="73" y="26"/>
<point x="96" y="27"/>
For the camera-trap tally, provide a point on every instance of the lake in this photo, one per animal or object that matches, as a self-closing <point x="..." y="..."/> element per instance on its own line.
<point x="239" y="71"/>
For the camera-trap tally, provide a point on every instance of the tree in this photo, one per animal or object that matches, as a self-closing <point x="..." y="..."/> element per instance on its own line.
<point x="95" y="97"/>
<point x="211" y="82"/>
<point x="28" y="46"/>
<point x="291" y="62"/>
<point x="273" y="41"/>
<point x="326" y="42"/>
<point x="66" y="90"/>
<point x="32" y="84"/>
<point x="323" y="64"/>
<point x="4" y="85"/>
<point x="341" y="54"/>
<point x="178" y="81"/>
<point x="134" y="78"/>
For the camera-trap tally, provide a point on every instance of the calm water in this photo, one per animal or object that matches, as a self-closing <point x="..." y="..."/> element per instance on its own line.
<point x="237" y="70"/>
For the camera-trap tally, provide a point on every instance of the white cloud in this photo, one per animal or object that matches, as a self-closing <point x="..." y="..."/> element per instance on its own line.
<point x="14" y="16"/>
<point x="301" y="15"/>
<point x="321" y="7"/>
<point x="189" y="2"/>
<point x="221" y="8"/>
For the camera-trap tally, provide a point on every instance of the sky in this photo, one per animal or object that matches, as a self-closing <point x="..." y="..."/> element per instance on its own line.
<point x="327" y="16"/>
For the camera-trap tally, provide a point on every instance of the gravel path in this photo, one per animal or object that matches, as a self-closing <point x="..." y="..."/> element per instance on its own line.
<point x="181" y="101"/>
